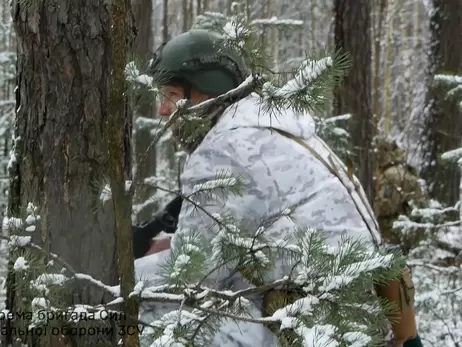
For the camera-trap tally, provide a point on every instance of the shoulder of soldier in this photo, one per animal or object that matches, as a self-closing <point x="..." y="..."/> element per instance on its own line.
<point x="405" y="178"/>
<point x="399" y="172"/>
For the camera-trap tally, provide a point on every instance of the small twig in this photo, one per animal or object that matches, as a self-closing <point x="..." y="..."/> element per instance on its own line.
<point x="445" y="324"/>
<point x="177" y="114"/>
<point x="64" y="264"/>
<point x="180" y="310"/>
<point x="202" y="293"/>
<point x="245" y="88"/>
<point x="250" y="291"/>
<point x="452" y="291"/>
<point x="416" y="225"/>
<point x="200" y="325"/>
<point x="97" y="283"/>
<point x="196" y="205"/>
<point x="264" y="320"/>
<point x="448" y="270"/>
<point x="44" y="252"/>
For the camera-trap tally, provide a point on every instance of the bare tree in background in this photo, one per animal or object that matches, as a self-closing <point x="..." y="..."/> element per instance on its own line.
<point x="352" y="35"/>
<point x="144" y="105"/>
<point x="443" y="119"/>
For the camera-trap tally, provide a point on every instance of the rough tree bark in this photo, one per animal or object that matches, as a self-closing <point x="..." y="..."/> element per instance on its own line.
<point x="119" y="159"/>
<point x="62" y="100"/>
<point x="352" y="35"/>
<point x="443" y="123"/>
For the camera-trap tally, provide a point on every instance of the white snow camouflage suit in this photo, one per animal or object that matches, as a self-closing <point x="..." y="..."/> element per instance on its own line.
<point x="278" y="172"/>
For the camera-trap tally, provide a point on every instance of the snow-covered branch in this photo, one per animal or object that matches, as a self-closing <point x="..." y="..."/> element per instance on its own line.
<point x="16" y="241"/>
<point x="320" y="280"/>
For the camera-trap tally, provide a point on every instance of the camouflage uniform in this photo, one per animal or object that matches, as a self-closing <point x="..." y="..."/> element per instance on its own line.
<point x="398" y="188"/>
<point x="269" y="155"/>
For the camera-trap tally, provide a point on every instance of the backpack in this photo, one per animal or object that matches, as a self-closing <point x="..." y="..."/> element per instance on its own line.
<point x="399" y="293"/>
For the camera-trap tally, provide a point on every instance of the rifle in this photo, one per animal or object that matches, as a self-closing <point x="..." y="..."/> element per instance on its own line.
<point x="164" y="221"/>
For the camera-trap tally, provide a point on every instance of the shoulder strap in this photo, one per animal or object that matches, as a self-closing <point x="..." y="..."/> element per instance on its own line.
<point x="373" y="229"/>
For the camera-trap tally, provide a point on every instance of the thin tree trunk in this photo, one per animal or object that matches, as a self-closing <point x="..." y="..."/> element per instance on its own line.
<point x="443" y="124"/>
<point x="144" y="106"/>
<point x="378" y="28"/>
<point x="352" y="35"/>
<point x="165" y="33"/>
<point x="118" y="135"/>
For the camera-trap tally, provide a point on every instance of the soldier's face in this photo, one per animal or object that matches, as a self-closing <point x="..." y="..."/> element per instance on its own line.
<point x="170" y="95"/>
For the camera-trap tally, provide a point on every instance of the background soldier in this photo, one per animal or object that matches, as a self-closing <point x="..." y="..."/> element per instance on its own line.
<point x="399" y="189"/>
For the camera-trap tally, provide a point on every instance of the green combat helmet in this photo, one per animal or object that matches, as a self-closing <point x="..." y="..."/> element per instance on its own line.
<point x="199" y="59"/>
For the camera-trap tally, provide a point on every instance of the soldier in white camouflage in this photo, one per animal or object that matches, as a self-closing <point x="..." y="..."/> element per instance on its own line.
<point x="272" y="157"/>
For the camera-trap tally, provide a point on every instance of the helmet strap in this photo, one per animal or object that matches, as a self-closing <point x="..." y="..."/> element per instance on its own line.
<point x="187" y="91"/>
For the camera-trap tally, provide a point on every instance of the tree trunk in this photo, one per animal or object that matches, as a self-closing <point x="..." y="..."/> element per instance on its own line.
<point x="165" y="33"/>
<point x="118" y="135"/>
<point x="62" y="100"/>
<point x="443" y="126"/>
<point x="144" y="107"/>
<point x="352" y="35"/>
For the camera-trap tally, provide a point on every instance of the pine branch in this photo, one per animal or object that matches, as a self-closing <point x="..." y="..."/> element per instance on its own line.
<point x="90" y="279"/>
<point x="222" y="185"/>
<point x="62" y="262"/>
<point x="13" y="240"/>
<point x="195" y="294"/>
<point x="219" y="304"/>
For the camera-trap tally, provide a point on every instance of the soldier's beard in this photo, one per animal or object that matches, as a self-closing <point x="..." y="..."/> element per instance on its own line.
<point x="189" y="142"/>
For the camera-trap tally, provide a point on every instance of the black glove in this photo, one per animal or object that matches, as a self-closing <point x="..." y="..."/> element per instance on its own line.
<point x="165" y="221"/>
<point x="415" y="342"/>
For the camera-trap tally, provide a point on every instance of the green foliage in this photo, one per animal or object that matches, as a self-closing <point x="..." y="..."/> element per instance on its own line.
<point x="333" y="131"/>
<point x="428" y="222"/>
<point x="336" y="283"/>
<point x="310" y="87"/>
<point x="240" y="34"/>
<point x="437" y="274"/>
<point x="452" y="84"/>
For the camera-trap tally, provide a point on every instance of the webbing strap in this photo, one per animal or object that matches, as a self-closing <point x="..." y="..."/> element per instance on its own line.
<point x="274" y="298"/>
<point x="334" y="170"/>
